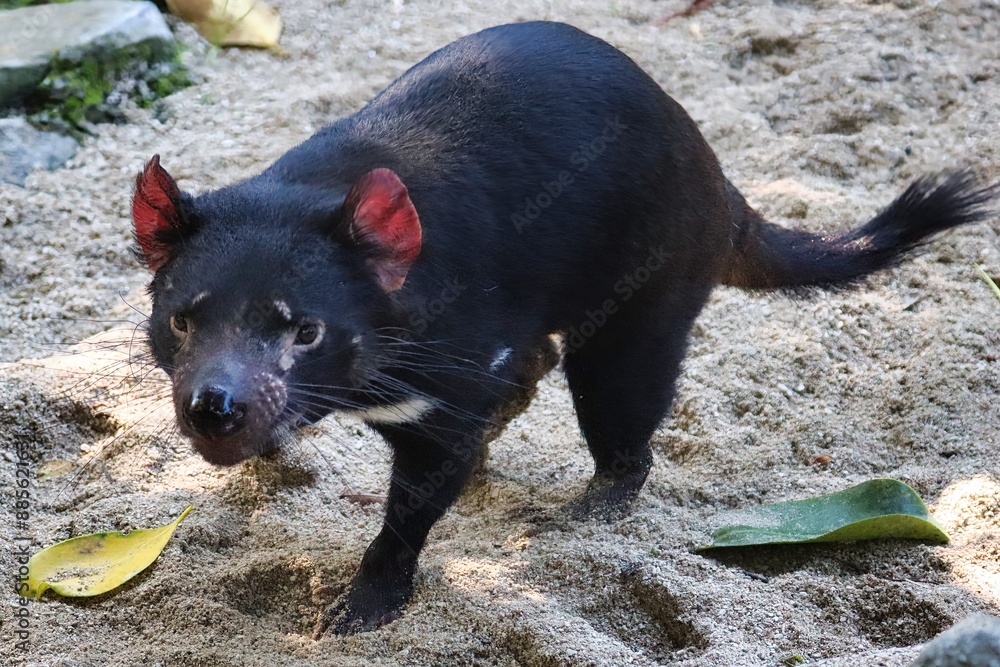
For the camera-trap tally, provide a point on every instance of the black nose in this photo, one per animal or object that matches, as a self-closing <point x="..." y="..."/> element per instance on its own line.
<point x="213" y="412"/>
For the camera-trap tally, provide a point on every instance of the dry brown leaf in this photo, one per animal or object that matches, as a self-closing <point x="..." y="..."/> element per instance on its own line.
<point x="363" y="498"/>
<point x="692" y="9"/>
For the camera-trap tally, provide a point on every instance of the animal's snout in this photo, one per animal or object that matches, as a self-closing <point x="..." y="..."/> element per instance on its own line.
<point x="214" y="412"/>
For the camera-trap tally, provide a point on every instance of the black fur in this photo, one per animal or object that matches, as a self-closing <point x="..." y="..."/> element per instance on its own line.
<point x="768" y="256"/>
<point x="560" y="191"/>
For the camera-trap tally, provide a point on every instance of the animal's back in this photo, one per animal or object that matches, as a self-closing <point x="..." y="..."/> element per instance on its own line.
<point x="542" y="160"/>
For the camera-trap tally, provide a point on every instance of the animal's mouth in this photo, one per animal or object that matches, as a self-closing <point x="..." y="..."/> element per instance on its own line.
<point x="228" y="450"/>
<point x="222" y="453"/>
<point x="232" y="413"/>
<point x="226" y="431"/>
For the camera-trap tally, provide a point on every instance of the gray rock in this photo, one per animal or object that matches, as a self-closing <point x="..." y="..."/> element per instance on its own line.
<point x="23" y="148"/>
<point x="30" y="36"/>
<point x="975" y="642"/>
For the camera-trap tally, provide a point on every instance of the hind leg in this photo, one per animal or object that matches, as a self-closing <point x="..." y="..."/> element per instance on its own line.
<point x="622" y="379"/>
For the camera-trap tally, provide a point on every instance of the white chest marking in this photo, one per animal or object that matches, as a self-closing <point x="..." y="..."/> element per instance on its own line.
<point x="502" y="356"/>
<point x="404" y="412"/>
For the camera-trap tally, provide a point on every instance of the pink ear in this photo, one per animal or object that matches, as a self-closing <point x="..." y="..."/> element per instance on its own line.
<point x="383" y="215"/>
<point x="155" y="210"/>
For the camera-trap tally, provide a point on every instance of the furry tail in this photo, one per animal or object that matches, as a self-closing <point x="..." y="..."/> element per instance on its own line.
<point x="766" y="256"/>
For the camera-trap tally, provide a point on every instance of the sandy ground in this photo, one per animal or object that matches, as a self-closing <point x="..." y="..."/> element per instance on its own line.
<point x="820" y="111"/>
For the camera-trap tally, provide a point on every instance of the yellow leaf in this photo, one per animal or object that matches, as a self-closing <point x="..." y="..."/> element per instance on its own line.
<point x="93" y="564"/>
<point x="231" y="22"/>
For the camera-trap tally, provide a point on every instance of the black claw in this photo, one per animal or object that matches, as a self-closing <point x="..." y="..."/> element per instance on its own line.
<point x="344" y="619"/>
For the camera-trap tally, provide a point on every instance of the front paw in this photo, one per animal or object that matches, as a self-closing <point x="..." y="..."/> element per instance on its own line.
<point x="606" y="499"/>
<point x="363" y="609"/>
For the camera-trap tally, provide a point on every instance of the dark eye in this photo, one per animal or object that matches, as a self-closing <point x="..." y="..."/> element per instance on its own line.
<point x="179" y="324"/>
<point x="307" y="334"/>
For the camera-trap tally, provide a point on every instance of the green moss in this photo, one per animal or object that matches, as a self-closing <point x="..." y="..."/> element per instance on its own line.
<point x="77" y="93"/>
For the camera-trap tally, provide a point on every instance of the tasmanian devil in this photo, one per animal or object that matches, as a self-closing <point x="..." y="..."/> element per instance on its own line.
<point x="410" y="264"/>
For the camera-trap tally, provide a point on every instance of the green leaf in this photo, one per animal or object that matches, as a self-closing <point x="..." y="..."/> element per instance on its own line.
<point x="989" y="281"/>
<point x="877" y="508"/>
